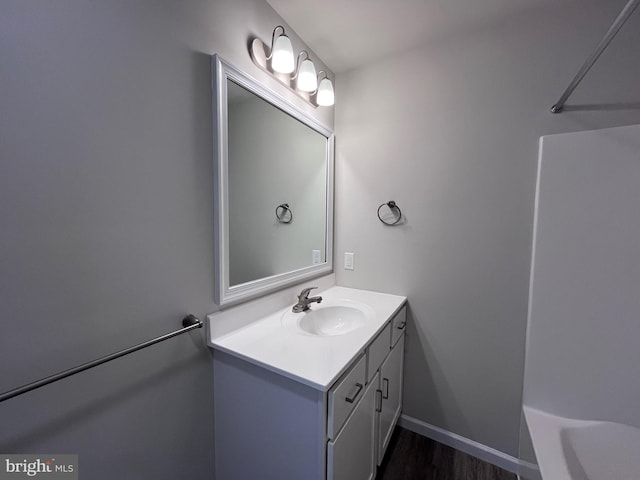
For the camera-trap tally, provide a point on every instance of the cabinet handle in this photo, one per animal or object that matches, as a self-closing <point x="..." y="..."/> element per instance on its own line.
<point x="379" y="401"/>
<point x="401" y="325"/>
<point x="385" y="383"/>
<point x="352" y="398"/>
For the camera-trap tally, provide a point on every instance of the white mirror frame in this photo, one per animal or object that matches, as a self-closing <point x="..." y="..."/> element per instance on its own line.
<point x="221" y="72"/>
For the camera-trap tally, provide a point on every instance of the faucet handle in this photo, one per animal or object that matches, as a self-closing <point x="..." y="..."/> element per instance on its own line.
<point x="305" y="292"/>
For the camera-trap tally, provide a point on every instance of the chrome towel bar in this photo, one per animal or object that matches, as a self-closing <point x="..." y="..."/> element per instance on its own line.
<point x="189" y="322"/>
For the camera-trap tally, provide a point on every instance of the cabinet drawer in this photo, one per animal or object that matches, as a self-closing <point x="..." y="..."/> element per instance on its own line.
<point x="344" y="396"/>
<point x="378" y="351"/>
<point x="398" y="325"/>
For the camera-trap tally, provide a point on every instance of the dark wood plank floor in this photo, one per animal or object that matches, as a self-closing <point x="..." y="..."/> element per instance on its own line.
<point x="413" y="457"/>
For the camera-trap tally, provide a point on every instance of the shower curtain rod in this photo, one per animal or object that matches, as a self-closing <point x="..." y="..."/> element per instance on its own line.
<point x="189" y="322"/>
<point x="604" y="43"/>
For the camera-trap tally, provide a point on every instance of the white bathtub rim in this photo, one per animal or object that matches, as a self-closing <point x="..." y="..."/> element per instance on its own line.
<point x="547" y="437"/>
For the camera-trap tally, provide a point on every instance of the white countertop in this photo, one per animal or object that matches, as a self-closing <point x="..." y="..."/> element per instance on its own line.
<point x="313" y="360"/>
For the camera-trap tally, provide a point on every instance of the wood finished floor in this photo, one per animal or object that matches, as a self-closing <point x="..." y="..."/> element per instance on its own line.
<point x="413" y="457"/>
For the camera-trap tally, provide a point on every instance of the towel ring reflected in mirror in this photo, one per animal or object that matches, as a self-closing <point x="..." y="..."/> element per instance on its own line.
<point x="395" y="211"/>
<point x="284" y="213"/>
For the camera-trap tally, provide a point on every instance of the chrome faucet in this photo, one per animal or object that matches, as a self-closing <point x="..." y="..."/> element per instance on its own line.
<point x="304" y="301"/>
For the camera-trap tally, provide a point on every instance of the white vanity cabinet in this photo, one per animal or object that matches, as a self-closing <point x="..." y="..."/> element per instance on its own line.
<point x="271" y="424"/>
<point x="360" y="447"/>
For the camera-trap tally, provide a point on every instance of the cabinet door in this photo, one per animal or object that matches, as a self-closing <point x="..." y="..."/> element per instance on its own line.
<point x="391" y="388"/>
<point x="351" y="456"/>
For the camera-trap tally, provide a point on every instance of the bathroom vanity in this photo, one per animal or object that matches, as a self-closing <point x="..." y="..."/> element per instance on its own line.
<point x="298" y="395"/>
<point x="311" y="395"/>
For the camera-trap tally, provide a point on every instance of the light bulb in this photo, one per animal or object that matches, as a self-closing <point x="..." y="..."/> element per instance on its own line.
<point x="282" y="60"/>
<point x="325" y="97"/>
<point x="307" y="81"/>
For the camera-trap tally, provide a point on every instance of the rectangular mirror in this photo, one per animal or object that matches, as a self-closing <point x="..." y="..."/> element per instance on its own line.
<point x="273" y="189"/>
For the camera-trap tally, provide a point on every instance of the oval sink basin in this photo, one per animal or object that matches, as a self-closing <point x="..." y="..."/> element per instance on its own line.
<point x="329" y="320"/>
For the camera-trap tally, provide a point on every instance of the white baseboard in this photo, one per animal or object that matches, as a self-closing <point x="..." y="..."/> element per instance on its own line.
<point x="525" y="469"/>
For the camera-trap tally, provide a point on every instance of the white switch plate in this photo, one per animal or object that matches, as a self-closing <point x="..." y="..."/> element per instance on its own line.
<point x="348" y="260"/>
<point x="315" y="257"/>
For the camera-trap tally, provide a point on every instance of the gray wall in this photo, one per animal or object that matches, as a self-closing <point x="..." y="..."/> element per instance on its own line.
<point x="453" y="138"/>
<point x="106" y="239"/>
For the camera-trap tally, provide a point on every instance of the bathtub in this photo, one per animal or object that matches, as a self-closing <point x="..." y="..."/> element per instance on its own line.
<point x="570" y="449"/>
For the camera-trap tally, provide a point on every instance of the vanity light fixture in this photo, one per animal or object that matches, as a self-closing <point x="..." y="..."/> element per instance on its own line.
<point x="281" y="55"/>
<point x="305" y="76"/>
<point x="324" y="95"/>
<point x="279" y="61"/>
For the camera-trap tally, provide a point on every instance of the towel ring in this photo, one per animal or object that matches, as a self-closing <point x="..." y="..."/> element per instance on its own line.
<point x="395" y="209"/>
<point x="281" y="213"/>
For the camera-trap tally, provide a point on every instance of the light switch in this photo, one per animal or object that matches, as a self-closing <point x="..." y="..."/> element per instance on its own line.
<point x="348" y="260"/>
<point x="315" y="257"/>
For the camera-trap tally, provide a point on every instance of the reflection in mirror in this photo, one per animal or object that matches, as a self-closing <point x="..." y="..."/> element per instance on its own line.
<point x="274" y="159"/>
<point x="274" y="189"/>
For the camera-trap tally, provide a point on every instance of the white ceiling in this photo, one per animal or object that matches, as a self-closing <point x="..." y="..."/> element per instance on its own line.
<point x="349" y="33"/>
